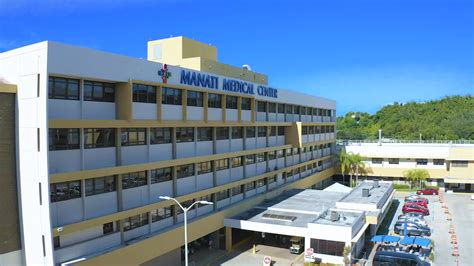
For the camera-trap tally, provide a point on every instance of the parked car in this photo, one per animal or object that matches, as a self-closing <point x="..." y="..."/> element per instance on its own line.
<point x="420" y="202"/>
<point x="410" y="215"/>
<point x="427" y="191"/>
<point x="412" y="229"/>
<point x="383" y="258"/>
<point x="415" y="196"/>
<point x="415" y="208"/>
<point x="419" y="221"/>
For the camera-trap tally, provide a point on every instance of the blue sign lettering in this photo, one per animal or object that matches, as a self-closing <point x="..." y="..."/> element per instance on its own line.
<point x="199" y="79"/>
<point x="212" y="82"/>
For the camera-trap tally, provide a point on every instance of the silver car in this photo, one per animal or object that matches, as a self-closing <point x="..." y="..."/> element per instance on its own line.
<point x="416" y="220"/>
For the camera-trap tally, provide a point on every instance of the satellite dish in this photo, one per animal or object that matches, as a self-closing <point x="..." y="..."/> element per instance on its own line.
<point x="247" y="67"/>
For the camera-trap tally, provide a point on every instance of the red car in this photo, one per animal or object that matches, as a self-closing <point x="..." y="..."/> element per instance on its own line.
<point x="420" y="202"/>
<point x="415" y="208"/>
<point x="427" y="191"/>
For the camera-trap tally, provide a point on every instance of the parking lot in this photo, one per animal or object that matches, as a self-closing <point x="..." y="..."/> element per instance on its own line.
<point x="461" y="210"/>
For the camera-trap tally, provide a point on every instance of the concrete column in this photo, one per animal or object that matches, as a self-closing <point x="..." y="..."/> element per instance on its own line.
<point x="228" y="238"/>
<point x="173" y="142"/>
<point x="239" y="109"/>
<point x="224" y="107"/>
<point x="184" y="102"/>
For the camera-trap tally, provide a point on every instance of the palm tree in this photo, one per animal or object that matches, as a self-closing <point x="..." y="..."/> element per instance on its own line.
<point x="358" y="162"/>
<point x="344" y="159"/>
<point x="416" y="175"/>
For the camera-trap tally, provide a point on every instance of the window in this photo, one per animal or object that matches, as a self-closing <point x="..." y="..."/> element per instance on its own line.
<point x="237" y="161"/>
<point x="222" y="133"/>
<point x="304" y="130"/>
<point x="133" y="136"/>
<point x="393" y="161"/>
<point x="261" y="183"/>
<point x="272" y="107"/>
<point x="296" y="110"/>
<point x="281" y="131"/>
<point x="214" y="100"/>
<point x="280" y="153"/>
<point x="171" y="96"/>
<point x="65" y="191"/>
<point x="160" y="135"/>
<point x="236" y="190"/>
<point x="328" y="247"/>
<point x="99" y="138"/>
<point x="63" y="139"/>
<point x="271" y="155"/>
<point x="250" y="159"/>
<point x="231" y="102"/>
<point x="144" y="93"/>
<point x="273" y="131"/>
<point x="64" y="89"/>
<point x="237" y="132"/>
<point x="135" y="179"/>
<point x="377" y="160"/>
<point x="204" y="133"/>
<point x="135" y="221"/>
<point x="185" y="170"/>
<point x="281" y="108"/>
<point x="261" y="106"/>
<point x="262" y="131"/>
<point x="303" y="110"/>
<point x="195" y="98"/>
<point x="160" y="214"/>
<point x="289" y="109"/>
<point x="221" y="195"/>
<point x="185" y="204"/>
<point x="56" y="242"/>
<point x="250" y="132"/>
<point x="161" y="175"/>
<point x="250" y="186"/>
<point x="311" y="130"/>
<point x="100" y="185"/>
<point x="438" y="161"/>
<point x="108" y="228"/>
<point x="459" y="164"/>
<point x="222" y="164"/>
<point x="99" y="91"/>
<point x="289" y="152"/>
<point x="246" y="104"/>
<point x="260" y="157"/>
<point x="204" y="168"/>
<point x="184" y="134"/>
<point x="272" y="179"/>
<point x="421" y="161"/>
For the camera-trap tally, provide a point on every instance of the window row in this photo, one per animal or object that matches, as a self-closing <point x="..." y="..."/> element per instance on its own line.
<point x="310" y="130"/>
<point x="418" y="161"/>
<point x="69" y="138"/>
<point x="70" y="89"/>
<point x="281" y="108"/>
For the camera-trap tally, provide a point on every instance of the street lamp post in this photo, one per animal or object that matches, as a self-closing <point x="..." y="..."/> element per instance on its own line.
<point x="185" y="211"/>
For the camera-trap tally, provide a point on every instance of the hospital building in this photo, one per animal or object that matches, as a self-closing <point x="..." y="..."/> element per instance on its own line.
<point x="90" y="140"/>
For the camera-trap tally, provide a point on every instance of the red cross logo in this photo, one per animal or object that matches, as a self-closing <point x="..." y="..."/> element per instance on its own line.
<point x="165" y="75"/>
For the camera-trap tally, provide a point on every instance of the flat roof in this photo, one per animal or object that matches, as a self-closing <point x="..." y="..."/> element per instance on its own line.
<point x="292" y="208"/>
<point x="376" y="194"/>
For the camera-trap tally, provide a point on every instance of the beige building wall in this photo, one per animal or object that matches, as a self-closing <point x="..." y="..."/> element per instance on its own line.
<point x="188" y="53"/>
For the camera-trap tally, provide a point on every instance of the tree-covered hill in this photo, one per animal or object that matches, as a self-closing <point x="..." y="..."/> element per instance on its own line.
<point x="450" y="118"/>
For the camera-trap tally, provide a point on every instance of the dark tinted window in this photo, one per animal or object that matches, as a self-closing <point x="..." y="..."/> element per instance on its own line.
<point x="231" y="102"/>
<point x="195" y="98"/>
<point x="144" y="93"/>
<point x="63" y="139"/>
<point x="62" y="88"/>
<point x="99" y="137"/>
<point x="99" y="91"/>
<point x="171" y="96"/>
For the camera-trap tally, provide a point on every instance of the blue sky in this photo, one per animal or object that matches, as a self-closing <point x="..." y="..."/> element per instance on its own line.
<point x="362" y="53"/>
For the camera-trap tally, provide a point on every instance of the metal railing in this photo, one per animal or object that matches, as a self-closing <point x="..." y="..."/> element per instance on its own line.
<point x="403" y="141"/>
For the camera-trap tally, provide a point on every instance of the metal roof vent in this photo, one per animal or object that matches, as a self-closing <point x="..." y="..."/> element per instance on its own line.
<point x="365" y="192"/>
<point x="334" y="216"/>
<point x="376" y="183"/>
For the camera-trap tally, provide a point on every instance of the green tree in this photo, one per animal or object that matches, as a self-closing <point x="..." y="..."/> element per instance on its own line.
<point x="415" y="176"/>
<point x="344" y="160"/>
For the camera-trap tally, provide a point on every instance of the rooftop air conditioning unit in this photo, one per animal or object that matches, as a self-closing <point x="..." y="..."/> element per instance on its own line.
<point x="365" y="192"/>
<point x="334" y="216"/>
<point x="376" y="183"/>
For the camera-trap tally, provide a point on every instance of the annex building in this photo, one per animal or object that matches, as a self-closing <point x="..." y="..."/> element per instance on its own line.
<point x="328" y="220"/>
<point x="90" y="140"/>
<point x="450" y="164"/>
